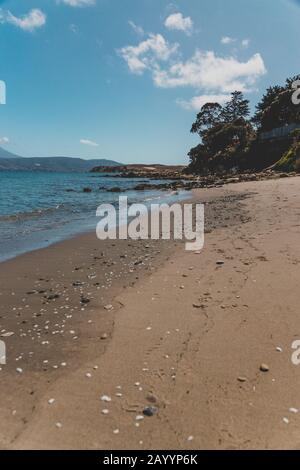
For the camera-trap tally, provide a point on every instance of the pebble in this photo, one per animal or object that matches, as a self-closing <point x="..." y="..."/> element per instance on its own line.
<point x="139" y="417"/>
<point x="220" y="263"/>
<point x="105" y="412"/>
<point x="294" y="410"/>
<point x="150" y="411"/>
<point x="105" y="398"/>
<point x="264" y="368"/>
<point x="116" y="431"/>
<point x="19" y="370"/>
<point x="108" y="307"/>
<point x="279" y="349"/>
<point x="242" y="379"/>
<point x="51" y="401"/>
<point x="58" y="425"/>
<point x="88" y="375"/>
<point x="7" y="335"/>
<point x="104" y="336"/>
<point x="286" y="421"/>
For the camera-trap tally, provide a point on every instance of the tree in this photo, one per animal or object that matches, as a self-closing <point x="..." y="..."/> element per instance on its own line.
<point x="208" y="117"/>
<point x="276" y="108"/>
<point x="224" y="133"/>
<point x="236" y="108"/>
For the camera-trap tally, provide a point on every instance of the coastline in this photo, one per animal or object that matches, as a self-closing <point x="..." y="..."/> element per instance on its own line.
<point x="186" y="360"/>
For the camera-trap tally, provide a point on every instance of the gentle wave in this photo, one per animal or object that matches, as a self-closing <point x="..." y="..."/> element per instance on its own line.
<point x="20" y="216"/>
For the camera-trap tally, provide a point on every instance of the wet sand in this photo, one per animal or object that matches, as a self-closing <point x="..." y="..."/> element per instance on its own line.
<point x="104" y="330"/>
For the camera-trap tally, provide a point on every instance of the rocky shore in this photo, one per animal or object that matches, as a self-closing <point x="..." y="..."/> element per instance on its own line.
<point x="178" y="180"/>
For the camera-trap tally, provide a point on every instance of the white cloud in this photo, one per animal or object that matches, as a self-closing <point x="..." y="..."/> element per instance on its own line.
<point x="196" y="103"/>
<point x="148" y="53"/>
<point x="33" y="20"/>
<point x="4" y="140"/>
<point x="137" y="29"/>
<point x="213" y="77"/>
<point x="78" y="3"/>
<point x="227" y="40"/>
<point x="178" y="22"/>
<point x="89" y="142"/>
<point x="207" y="71"/>
<point x="245" y="42"/>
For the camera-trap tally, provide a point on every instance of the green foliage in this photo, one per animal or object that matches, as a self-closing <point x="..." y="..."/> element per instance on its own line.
<point x="276" y="108"/>
<point x="289" y="161"/>
<point x="230" y="139"/>
<point x="225" y="133"/>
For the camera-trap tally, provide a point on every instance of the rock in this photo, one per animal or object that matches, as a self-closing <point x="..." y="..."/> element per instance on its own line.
<point x="199" y="305"/>
<point x="87" y="190"/>
<point x="104" y="336"/>
<point x="84" y="300"/>
<point x="264" y="368"/>
<point x="51" y="401"/>
<point x="220" y="262"/>
<point x="115" y="190"/>
<point x="242" y="379"/>
<point x="108" y="307"/>
<point x="151" y="398"/>
<point x="105" y="398"/>
<point x="149" y="411"/>
<point x="58" y="425"/>
<point x="78" y="283"/>
<point x="294" y="410"/>
<point x="7" y="335"/>
<point x="52" y="296"/>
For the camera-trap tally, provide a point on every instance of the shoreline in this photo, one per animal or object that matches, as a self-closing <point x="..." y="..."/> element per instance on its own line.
<point x="175" y="323"/>
<point x="61" y="234"/>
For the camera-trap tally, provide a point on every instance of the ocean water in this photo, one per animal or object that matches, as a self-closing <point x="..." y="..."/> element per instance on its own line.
<point x="38" y="208"/>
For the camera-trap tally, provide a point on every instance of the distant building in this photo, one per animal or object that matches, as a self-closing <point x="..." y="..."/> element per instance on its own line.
<point x="279" y="133"/>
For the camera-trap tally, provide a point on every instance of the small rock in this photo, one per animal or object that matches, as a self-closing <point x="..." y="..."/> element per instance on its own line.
<point x="105" y="398"/>
<point x="220" y="263"/>
<point x="7" y="335"/>
<point x="264" y="368"/>
<point x="51" y="401"/>
<point x="242" y="379"/>
<point x="150" y="411"/>
<point x="108" y="307"/>
<point x="294" y="410"/>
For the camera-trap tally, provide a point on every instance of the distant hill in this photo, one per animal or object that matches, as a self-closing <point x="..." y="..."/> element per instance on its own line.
<point x="6" y="154"/>
<point x="9" y="161"/>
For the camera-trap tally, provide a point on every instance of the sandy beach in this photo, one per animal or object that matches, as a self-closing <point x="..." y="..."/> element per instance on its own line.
<point x="98" y="332"/>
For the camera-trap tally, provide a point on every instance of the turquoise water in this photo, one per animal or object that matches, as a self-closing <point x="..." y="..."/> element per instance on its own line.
<point x="38" y="208"/>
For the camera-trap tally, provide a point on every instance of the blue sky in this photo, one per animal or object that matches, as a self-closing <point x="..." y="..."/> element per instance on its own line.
<point x="123" y="79"/>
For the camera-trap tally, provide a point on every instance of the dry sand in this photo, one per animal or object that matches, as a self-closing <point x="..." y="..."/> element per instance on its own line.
<point x="186" y="335"/>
